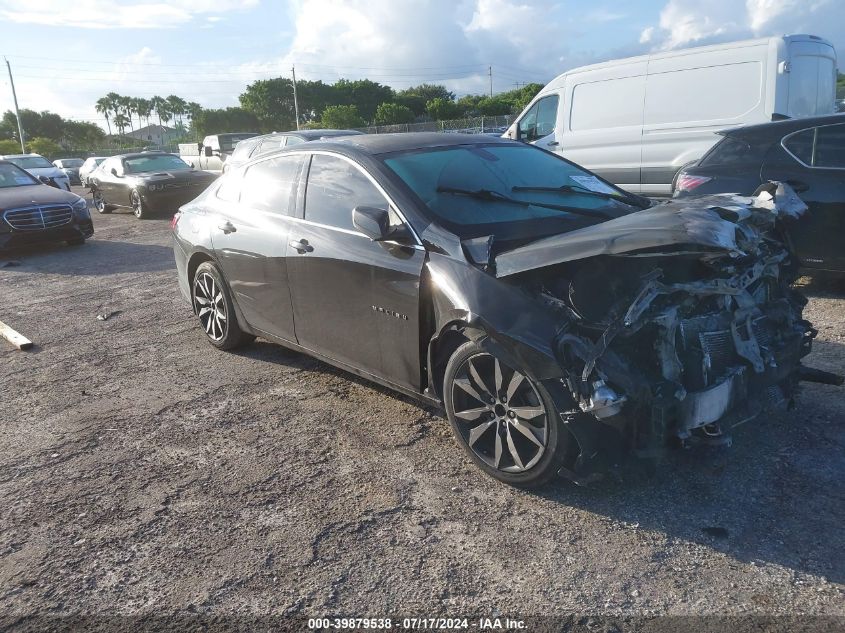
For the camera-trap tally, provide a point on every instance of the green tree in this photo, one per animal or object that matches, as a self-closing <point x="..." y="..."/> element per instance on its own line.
<point x="364" y="94"/>
<point x="494" y="106"/>
<point x="341" y="117"/>
<point x="224" y="120"/>
<point x="393" y="113"/>
<point x="8" y="146"/>
<point x="44" y="146"/>
<point x="429" y="92"/>
<point x="177" y="105"/>
<point x="120" y="122"/>
<point x="441" y="109"/>
<point x="82" y="135"/>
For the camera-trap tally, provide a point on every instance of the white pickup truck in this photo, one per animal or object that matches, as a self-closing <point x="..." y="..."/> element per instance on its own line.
<point x="213" y="151"/>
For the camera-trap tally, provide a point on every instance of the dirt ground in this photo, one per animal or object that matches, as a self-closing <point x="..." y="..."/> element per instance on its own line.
<point x="143" y="472"/>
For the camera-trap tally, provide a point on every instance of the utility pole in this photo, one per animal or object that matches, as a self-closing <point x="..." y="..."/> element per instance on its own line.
<point x="17" y="113"/>
<point x="295" y="102"/>
<point x="490" y="73"/>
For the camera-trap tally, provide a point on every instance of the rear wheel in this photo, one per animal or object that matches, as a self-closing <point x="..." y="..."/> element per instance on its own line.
<point x="213" y="305"/>
<point x="507" y="423"/>
<point x="100" y="202"/>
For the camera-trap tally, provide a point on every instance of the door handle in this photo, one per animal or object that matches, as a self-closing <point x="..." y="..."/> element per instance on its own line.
<point x="301" y="246"/>
<point x="227" y="227"/>
<point x="552" y="144"/>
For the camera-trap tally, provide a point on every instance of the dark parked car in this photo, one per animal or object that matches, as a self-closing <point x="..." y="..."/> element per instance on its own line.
<point x="260" y="145"/>
<point x="147" y="183"/>
<point x="70" y="168"/>
<point x="32" y="211"/>
<point x="557" y="318"/>
<point x="807" y="153"/>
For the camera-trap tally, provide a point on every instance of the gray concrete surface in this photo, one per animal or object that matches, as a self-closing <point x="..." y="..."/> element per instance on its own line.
<point x="144" y="472"/>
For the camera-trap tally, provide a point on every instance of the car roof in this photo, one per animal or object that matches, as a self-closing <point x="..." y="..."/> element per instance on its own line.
<point x="6" y="156"/>
<point x="309" y="134"/>
<point x="141" y="155"/>
<point x="375" y="144"/>
<point x="777" y="129"/>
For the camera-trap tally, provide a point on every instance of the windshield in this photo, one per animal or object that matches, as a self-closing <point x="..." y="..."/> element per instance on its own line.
<point x="497" y="189"/>
<point x="71" y="162"/>
<point x="154" y="162"/>
<point x="11" y="176"/>
<point x="30" y="162"/>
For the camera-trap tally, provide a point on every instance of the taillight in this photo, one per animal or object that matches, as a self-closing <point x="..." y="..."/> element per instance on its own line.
<point x="687" y="182"/>
<point x="174" y="221"/>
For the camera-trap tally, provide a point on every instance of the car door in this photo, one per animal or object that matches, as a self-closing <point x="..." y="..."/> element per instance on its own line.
<point x="813" y="162"/>
<point x="250" y="238"/>
<point x="111" y="183"/>
<point x="355" y="300"/>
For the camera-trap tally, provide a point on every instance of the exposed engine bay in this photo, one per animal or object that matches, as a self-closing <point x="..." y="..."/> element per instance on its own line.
<point x="680" y="323"/>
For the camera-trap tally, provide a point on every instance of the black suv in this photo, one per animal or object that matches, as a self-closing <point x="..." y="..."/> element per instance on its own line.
<point x="809" y="154"/>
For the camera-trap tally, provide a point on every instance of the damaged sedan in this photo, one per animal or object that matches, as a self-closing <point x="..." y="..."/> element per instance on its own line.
<point x="560" y="321"/>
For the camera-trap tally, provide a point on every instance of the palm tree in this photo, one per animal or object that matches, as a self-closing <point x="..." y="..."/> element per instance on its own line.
<point x="121" y="120"/>
<point x="159" y="105"/>
<point x="126" y="106"/>
<point x="103" y="106"/>
<point x="177" y="106"/>
<point x="145" y="109"/>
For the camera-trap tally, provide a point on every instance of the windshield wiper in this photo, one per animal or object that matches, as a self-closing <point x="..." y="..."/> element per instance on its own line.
<point x="580" y="190"/>
<point x="495" y="196"/>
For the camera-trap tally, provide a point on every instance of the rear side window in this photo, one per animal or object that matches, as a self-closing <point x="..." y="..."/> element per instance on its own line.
<point x="830" y="146"/>
<point x="335" y="187"/>
<point x="734" y="151"/>
<point x="294" y="140"/>
<point x="540" y="120"/>
<point x="819" y="147"/>
<point x="270" y="145"/>
<point x="268" y="185"/>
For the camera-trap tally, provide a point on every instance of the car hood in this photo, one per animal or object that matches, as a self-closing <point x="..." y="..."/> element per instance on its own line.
<point x="15" y="197"/>
<point x="180" y="175"/>
<point x="692" y="225"/>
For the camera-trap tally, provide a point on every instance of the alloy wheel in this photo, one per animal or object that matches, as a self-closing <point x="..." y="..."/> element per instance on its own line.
<point x="99" y="202"/>
<point x="137" y="207"/>
<point x="500" y="414"/>
<point x="210" y="306"/>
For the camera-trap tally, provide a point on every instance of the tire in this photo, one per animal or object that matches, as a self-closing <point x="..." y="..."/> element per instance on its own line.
<point x="100" y="202"/>
<point x="213" y="305"/>
<point x="141" y="210"/>
<point x="494" y="420"/>
<point x="79" y="241"/>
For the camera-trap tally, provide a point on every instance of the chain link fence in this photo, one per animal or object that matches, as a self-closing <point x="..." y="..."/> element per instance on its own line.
<point x="474" y="125"/>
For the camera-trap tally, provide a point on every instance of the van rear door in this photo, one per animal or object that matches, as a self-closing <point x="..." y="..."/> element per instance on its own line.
<point x="812" y="78"/>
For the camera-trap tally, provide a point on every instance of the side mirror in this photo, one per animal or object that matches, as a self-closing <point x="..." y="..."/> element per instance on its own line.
<point x="375" y="224"/>
<point x="208" y="151"/>
<point x="114" y="172"/>
<point x="44" y="179"/>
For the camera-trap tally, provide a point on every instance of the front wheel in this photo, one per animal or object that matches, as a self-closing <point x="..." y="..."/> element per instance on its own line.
<point x="100" y="202"/>
<point x="141" y="210"/>
<point x="213" y="305"/>
<point x="507" y="423"/>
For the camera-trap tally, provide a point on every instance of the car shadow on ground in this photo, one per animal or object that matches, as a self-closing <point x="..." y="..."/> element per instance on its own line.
<point x="822" y="284"/>
<point x="95" y="257"/>
<point x="773" y="497"/>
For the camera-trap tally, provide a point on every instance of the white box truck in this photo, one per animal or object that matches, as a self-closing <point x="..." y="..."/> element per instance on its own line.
<point x="638" y="121"/>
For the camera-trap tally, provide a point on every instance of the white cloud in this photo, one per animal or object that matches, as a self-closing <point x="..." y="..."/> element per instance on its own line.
<point x="108" y="14"/>
<point x="687" y="22"/>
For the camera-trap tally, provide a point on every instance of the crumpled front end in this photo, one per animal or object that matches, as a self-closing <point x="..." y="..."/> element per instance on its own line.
<point x="680" y="341"/>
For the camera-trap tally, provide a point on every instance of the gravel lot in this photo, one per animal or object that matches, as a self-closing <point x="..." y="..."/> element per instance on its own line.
<point x="144" y="472"/>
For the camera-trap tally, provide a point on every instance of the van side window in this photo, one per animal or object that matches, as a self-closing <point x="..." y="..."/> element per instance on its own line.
<point x="830" y="147"/>
<point x="540" y="119"/>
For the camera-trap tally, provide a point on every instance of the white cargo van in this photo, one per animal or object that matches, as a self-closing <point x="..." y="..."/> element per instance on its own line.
<point x="638" y="121"/>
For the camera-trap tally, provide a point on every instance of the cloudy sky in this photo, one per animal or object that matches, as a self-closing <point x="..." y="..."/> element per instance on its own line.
<point x="66" y="54"/>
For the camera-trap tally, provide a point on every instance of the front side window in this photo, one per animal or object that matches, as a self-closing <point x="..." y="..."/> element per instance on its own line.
<point x="113" y="163"/>
<point x="540" y="119"/>
<point x="268" y="185"/>
<point x="335" y="187"/>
